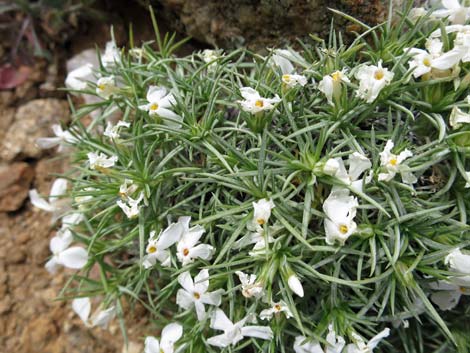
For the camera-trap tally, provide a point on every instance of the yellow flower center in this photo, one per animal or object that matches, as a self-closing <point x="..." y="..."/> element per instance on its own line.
<point x="101" y="87"/>
<point x="185" y="251"/>
<point x="154" y="107"/>
<point x="343" y="228"/>
<point x="152" y="249"/>
<point x="336" y="76"/>
<point x="379" y="74"/>
<point x="259" y="103"/>
<point x="260" y="221"/>
<point x="427" y="62"/>
<point x="161" y="350"/>
<point x="196" y="295"/>
<point x="277" y="307"/>
<point x="393" y="162"/>
<point x="286" y="78"/>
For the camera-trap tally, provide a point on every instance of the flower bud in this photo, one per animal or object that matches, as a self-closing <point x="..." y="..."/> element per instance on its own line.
<point x="295" y="285"/>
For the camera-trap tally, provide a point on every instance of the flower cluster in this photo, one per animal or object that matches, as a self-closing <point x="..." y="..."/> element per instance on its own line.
<point x="300" y="202"/>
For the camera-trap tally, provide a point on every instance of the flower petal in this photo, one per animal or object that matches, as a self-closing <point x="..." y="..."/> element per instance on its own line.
<point x="152" y="345"/>
<point x="82" y="307"/>
<point x="262" y="332"/>
<point x="185" y="280"/>
<point x="74" y="257"/>
<point x="171" y="333"/>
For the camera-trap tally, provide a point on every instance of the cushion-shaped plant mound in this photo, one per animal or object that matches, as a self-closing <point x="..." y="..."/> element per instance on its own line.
<point x="306" y="201"/>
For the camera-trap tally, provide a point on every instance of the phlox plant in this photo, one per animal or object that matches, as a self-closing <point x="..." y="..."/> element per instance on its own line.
<point x="310" y="200"/>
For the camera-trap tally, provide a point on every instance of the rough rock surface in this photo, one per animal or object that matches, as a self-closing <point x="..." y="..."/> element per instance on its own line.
<point x="32" y="120"/>
<point x="15" y="180"/>
<point x="260" y="24"/>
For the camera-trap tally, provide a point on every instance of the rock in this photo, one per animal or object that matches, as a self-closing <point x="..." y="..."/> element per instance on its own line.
<point x="133" y="347"/>
<point x="32" y="120"/>
<point x="6" y="117"/>
<point x="261" y="24"/>
<point x="5" y="305"/>
<point x="15" y="180"/>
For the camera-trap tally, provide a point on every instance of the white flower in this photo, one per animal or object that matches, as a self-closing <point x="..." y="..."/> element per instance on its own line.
<point x="234" y="333"/>
<point x="132" y="206"/>
<point x="448" y="294"/>
<point x="194" y="293"/>
<point x="160" y="103"/>
<point x="82" y="201"/>
<point x="210" y="56"/>
<point x="64" y="255"/>
<point x="188" y="248"/>
<point x="458" y="117"/>
<point x="275" y="309"/>
<point x="461" y="42"/>
<point x="127" y="188"/>
<point x="111" y="55"/>
<point x="157" y="247"/>
<point x="72" y="219"/>
<point x="101" y="318"/>
<point x="295" y="285"/>
<point x="281" y="58"/>
<point x="56" y="203"/>
<point x="424" y="61"/>
<point x="100" y="161"/>
<point x="453" y="10"/>
<point x="292" y="80"/>
<point x="335" y="344"/>
<point x="372" y="79"/>
<point x="361" y="347"/>
<point x="358" y="164"/>
<point x="255" y="236"/>
<point x="106" y="87"/>
<point x="78" y="79"/>
<point x="467" y="184"/>
<point x="330" y="85"/>
<point x="112" y="131"/>
<point x="340" y="210"/>
<point x="62" y="139"/>
<point x="450" y="291"/>
<point x="393" y="164"/>
<point x="262" y="211"/>
<point x="254" y="103"/>
<point x="250" y="288"/>
<point x="170" y="334"/>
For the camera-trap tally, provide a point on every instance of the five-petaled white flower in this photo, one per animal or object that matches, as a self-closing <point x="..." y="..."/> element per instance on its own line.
<point x="56" y="205"/>
<point x="331" y="87"/>
<point x="335" y="344"/>
<point x="454" y="11"/>
<point x="254" y="103"/>
<point x="112" y="131"/>
<point x="188" y="248"/>
<point x="275" y="309"/>
<point x="372" y="79"/>
<point x="424" y="61"/>
<point x="160" y="103"/>
<point x="262" y="211"/>
<point x="358" y="164"/>
<point x="393" y="164"/>
<point x="171" y="333"/>
<point x="235" y="332"/>
<point x="131" y="207"/>
<point x="256" y="236"/>
<point x="101" y="318"/>
<point x="157" y="247"/>
<point x="359" y="346"/>
<point x="63" y="255"/>
<point x="457" y="118"/>
<point x="250" y="287"/>
<point x="194" y="293"/>
<point x="63" y="139"/>
<point x="449" y="292"/>
<point x="106" y="87"/>
<point x="295" y="285"/>
<point x="210" y="56"/>
<point x="100" y="161"/>
<point x="78" y="79"/>
<point x="340" y="209"/>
